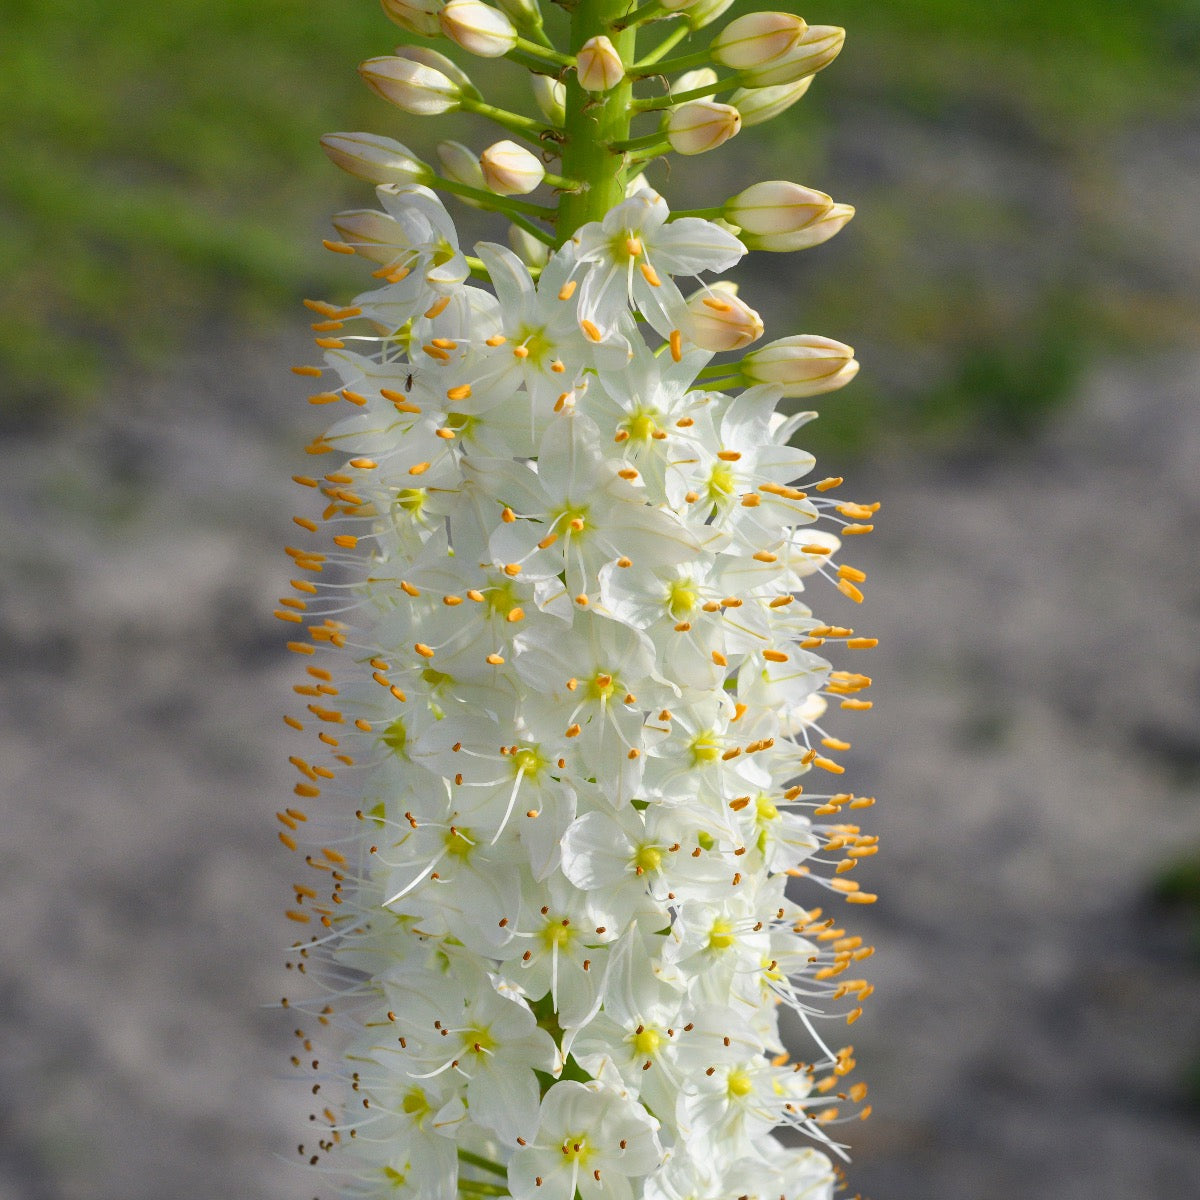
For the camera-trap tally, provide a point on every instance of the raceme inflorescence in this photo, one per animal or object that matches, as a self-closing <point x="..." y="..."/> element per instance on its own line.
<point x="567" y="799"/>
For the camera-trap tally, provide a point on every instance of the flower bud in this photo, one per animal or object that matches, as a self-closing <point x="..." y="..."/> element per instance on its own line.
<point x="460" y="164"/>
<point x="478" y="28"/>
<point x="718" y="320"/>
<point x="528" y="249"/>
<point x="701" y="125"/>
<point x="598" y="65"/>
<point x="820" y="45"/>
<point x="782" y="216"/>
<point x="757" y="38"/>
<point x="511" y="170"/>
<point x="764" y="104"/>
<point x="813" y="234"/>
<point x="704" y="12"/>
<point x="551" y="97"/>
<point x="690" y="81"/>
<point x="410" y="85"/>
<point x="803" y="365"/>
<point x="439" y="62"/>
<point x="521" y="12"/>
<point x="417" y="16"/>
<point x="676" y="5"/>
<point x="374" y="158"/>
<point x="776" y="206"/>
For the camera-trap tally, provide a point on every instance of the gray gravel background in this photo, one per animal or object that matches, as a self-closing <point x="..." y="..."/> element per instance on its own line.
<point x="1035" y="746"/>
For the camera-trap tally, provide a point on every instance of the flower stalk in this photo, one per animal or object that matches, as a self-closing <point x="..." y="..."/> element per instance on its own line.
<point x="564" y="700"/>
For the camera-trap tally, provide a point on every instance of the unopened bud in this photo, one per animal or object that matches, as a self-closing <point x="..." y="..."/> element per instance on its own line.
<point x="478" y="28"/>
<point x="704" y="12"/>
<point x="461" y="164"/>
<point x="528" y="249"/>
<point x="764" y="104"/>
<point x="410" y="85"/>
<point x="551" y="97"/>
<point x="598" y="65"/>
<point x="521" y="12"/>
<point x="511" y="170"/>
<point x="718" y="320"/>
<point x="782" y="216"/>
<point x="701" y="125"/>
<point x="691" y="81"/>
<point x="820" y="45"/>
<point x="757" y="38"/>
<point x="803" y="365"/>
<point x="676" y="5"/>
<point x="439" y="62"/>
<point x="377" y="159"/>
<point x="417" y="16"/>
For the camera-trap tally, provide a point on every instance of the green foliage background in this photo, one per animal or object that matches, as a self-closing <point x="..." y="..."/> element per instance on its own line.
<point x="160" y="178"/>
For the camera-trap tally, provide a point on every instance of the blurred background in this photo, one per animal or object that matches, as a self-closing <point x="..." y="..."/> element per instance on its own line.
<point x="1021" y="287"/>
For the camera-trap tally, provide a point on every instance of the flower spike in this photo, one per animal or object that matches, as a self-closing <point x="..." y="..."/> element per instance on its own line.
<point x="569" y="809"/>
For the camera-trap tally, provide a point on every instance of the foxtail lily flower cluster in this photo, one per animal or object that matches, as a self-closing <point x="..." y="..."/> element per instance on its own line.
<point x="564" y="698"/>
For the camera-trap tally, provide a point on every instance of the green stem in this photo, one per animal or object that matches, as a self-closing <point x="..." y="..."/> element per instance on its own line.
<point x="647" y="12"/>
<point x="595" y="124"/>
<point x="484" y="1164"/>
<point x="706" y="214"/>
<point x="667" y="44"/>
<point x="504" y="204"/>
<point x="525" y="127"/>
<point x="474" y="1188"/>
<point x="685" y="62"/>
<point x="716" y="372"/>
<point x="673" y="98"/>
<point x="633" y="145"/>
<point x="546" y="53"/>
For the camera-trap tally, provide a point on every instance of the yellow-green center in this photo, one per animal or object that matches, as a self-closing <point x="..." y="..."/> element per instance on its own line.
<point x="536" y="342"/>
<point x="764" y="809"/>
<point x="720" y="935"/>
<point x="575" y="1148"/>
<point x="705" y="747"/>
<point x="642" y="424"/>
<point x="648" y="858"/>
<point x="410" y="500"/>
<point x="739" y="1083"/>
<point x="647" y="1042"/>
<point x="682" y="597"/>
<point x="528" y="760"/>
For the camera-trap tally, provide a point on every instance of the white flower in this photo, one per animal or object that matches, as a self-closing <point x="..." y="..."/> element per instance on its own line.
<point x="590" y="1138"/>
<point x="631" y="256"/>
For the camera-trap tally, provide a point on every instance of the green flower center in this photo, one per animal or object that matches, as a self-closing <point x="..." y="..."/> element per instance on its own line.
<point x="682" y="597"/>
<point x="395" y="737"/>
<point x="720" y="481"/>
<point x="536" y="342"/>
<point x="459" y="842"/>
